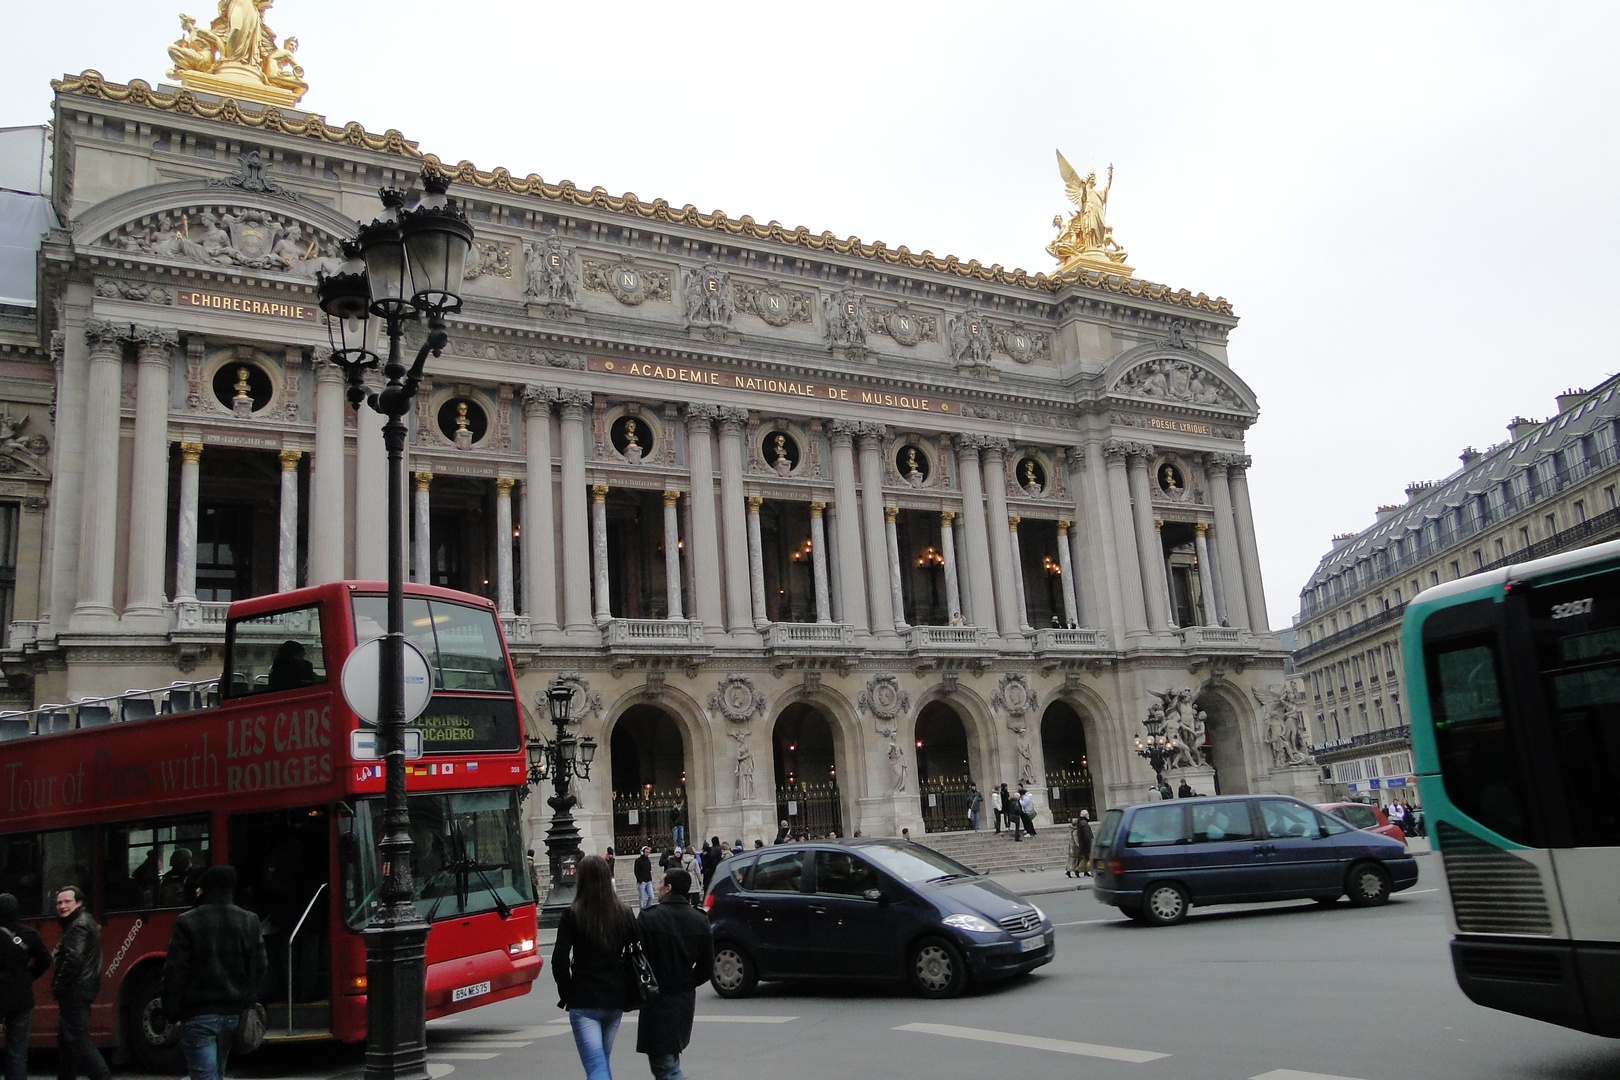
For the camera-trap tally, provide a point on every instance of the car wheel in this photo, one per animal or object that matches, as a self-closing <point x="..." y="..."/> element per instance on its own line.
<point x="144" y="1024"/>
<point x="1164" y="903"/>
<point x="1368" y="885"/>
<point x="734" y="974"/>
<point x="937" y="968"/>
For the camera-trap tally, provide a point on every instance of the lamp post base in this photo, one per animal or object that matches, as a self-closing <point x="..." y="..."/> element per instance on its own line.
<point x="396" y="1011"/>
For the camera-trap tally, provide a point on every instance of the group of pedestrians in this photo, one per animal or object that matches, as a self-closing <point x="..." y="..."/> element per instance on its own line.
<point x="1015" y="811"/>
<point x="214" y="964"/>
<point x="1407" y="816"/>
<point x="597" y="984"/>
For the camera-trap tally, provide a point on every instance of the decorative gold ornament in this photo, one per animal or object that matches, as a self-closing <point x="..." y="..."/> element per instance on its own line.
<point x="1086" y="241"/>
<point x="236" y="56"/>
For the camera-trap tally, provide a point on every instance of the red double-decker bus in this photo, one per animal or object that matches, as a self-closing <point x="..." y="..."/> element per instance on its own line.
<point x="131" y="797"/>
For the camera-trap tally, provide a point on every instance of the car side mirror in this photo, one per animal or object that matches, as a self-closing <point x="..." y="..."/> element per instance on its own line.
<point x="875" y="895"/>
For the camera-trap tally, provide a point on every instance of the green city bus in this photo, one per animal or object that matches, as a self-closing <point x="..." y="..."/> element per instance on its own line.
<point x="1513" y="679"/>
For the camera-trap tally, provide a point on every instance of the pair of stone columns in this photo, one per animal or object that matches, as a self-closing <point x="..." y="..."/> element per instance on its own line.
<point x="422" y="539"/>
<point x="1237" y="556"/>
<point x="995" y="595"/>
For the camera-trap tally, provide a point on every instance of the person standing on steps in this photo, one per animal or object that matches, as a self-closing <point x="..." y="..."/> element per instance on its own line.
<point x="975" y="805"/>
<point x="677" y="824"/>
<point x="1004" y="797"/>
<point x="1025" y="809"/>
<point x="23" y="958"/>
<point x="644" y="885"/>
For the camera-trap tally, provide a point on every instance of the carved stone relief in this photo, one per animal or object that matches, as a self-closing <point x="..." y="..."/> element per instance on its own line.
<point x="1022" y="344"/>
<point x="845" y="316"/>
<point x="488" y="258"/>
<point x="246" y="238"/>
<point x="587" y="703"/>
<point x="630" y="284"/>
<point x="133" y="290"/>
<point x="737" y="699"/>
<point x="969" y="336"/>
<point x="776" y="305"/>
<point x="551" y="274"/>
<point x="1178" y="380"/>
<point x="1013" y="695"/>
<point x="903" y="325"/>
<point x="706" y="295"/>
<point x="22" y="453"/>
<point x="885" y="699"/>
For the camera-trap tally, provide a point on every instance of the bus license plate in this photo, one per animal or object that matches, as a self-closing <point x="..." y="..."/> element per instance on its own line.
<point x="1032" y="944"/>
<point x="465" y="992"/>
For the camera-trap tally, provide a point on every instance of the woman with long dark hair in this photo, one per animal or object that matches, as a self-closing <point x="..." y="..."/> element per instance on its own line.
<point x="588" y="964"/>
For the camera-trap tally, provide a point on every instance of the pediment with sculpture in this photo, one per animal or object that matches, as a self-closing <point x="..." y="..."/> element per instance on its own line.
<point x="1183" y="380"/>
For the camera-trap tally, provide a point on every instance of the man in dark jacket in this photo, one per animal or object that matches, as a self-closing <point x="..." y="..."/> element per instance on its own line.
<point x="75" y="985"/>
<point x="644" y="886"/>
<point x="681" y="950"/>
<point x="23" y="958"/>
<point x="212" y="972"/>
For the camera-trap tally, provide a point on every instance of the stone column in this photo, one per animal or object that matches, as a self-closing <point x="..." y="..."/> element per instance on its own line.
<point x="1128" y="566"/>
<point x="1020" y="586"/>
<point x="1149" y="552"/>
<point x="185" y="540"/>
<point x="835" y="598"/>
<point x="672" y="553"/>
<point x="1206" y="576"/>
<point x="892" y="539"/>
<point x="880" y="602"/>
<point x="1234" y="607"/>
<point x="818" y="562"/>
<point x="504" y="599"/>
<point x="149" y="508"/>
<point x="1164" y="573"/>
<point x="705" y="535"/>
<point x="756" y="564"/>
<point x="422" y="542"/>
<point x="1248" y="546"/>
<point x="980" y="593"/>
<point x="326" y="495"/>
<point x="959" y="539"/>
<point x="539" y="512"/>
<point x="1007" y="574"/>
<point x="70" y="351"/>
<point x="1071" y="609"/>
<point x="734" y="521"/>
<point x="371" y="496"/>
<point x="847" y="582"/>
<point x="99" y="526"/>
<point x="1093" y="541"/>
<point x="576" y="531"/>
<point x="947" y="551"/>
<point x="599" y="553"/>
<point x="287" y="534"/>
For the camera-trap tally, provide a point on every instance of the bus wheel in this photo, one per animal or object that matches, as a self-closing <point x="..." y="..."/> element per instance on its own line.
<point x="144" y="1024"/>
<point x="1368" y="885"/>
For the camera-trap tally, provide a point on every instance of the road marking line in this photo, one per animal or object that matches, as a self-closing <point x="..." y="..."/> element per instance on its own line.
<point x="630" y="1018"/>
<point x="438" y="1069"/>
<point x="1084" y="922"/>
<point x="1295" y="1074"/>
<point x="491" y="1044"/>
<point x="456" y="1055"/>
<point x="1414" y="892"/>
<point x="1034" y="1042"/>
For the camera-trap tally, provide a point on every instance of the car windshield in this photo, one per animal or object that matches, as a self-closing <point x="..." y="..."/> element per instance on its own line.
<point x="913" y="862"/>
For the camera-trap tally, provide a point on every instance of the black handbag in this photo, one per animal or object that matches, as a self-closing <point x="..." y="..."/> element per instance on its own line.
<point x="638" y="972"/>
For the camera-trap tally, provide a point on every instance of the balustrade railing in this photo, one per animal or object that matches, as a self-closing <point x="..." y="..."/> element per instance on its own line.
<point x="660" y="632"/>
<point x="1057" y="640"/>
<point x="809" y="635"/>
<point x="947" y="637"/>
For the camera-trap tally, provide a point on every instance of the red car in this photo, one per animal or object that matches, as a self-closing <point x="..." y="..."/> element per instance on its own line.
<point x="1364" y="816"/>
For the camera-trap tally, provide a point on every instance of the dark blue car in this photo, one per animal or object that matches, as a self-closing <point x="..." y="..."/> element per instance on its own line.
<point x="869" y="909"/>
<point x="1155" y="860"/>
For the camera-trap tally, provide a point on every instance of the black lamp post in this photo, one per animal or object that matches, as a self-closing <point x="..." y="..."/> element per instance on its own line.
<point x="405" y="263"/>
<point x="1158" y="748"/>
<point x="561" y="759"/>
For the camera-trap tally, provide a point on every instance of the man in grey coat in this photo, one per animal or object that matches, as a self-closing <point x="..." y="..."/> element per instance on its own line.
<point x="680" y="948"/>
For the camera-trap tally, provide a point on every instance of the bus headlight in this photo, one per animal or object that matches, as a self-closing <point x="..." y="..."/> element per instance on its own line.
<point x="520" y="948"/>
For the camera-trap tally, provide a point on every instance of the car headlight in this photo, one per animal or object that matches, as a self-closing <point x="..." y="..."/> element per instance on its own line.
<point x="972" y="923"/>
<point x="1039" y="914"/>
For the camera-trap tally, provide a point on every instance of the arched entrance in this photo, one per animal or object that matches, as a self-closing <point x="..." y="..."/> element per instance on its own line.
<point x="1223" y="746"/>
<point x="942" y="767"/>
<point x="649" y="774"/>
<point x="1068" y="768"/>
<point x="802" y="748"/>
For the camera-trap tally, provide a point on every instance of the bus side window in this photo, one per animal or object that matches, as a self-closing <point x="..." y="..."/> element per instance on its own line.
<point x="1582" y="677"/>
<point x="278" y="651"/>
<point x="154" y="863"/>
<point x="1478" y="756"/>
<point x="34" y="865"/>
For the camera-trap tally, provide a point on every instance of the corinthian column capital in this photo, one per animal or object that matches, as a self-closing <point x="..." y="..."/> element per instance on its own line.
<point x="155" y="342"/>
<point x="105" y="337"/>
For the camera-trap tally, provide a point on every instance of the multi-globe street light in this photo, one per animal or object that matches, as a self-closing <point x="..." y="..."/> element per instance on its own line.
<point x="561" y="758"/>
<point x="1158" y="747"/>
<point x="407" y="263"/>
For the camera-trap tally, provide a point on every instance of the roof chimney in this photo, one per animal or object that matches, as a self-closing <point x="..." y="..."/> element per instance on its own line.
<point x="1569" y="399"/>
<point x="1520" y="426"/>
<point x="1342" y="539"/>
<point x="1469" y="456"/>
<point x="1417" y="487"/>
<point x="1387" y="512"/>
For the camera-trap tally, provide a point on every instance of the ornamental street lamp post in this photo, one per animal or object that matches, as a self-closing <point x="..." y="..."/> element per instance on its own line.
<point x="407" y="262"/>
<point x="1158" y="748"/>
<point x="563" y="758"/>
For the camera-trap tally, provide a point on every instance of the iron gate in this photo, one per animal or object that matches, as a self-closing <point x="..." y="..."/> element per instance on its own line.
<point x="642" y="819"/>
<point x="1068" y="791"/>
<point x="815" y="808"/>
<point x="944" y="803"/>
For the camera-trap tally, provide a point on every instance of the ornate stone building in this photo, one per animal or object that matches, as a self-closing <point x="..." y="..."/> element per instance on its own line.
<point x="1549" y="487"/>
<point x="821" y="528"/>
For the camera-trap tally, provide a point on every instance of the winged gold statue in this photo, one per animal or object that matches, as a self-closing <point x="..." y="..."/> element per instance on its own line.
<point x="1086" y="240"/>
<point x="236" y="56"/>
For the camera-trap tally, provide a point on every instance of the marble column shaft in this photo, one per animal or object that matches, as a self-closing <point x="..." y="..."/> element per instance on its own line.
<point x="371" y="496"/>
<point x="287" y="521"/>
<point x="185" y="564"/>
<point x="149" y="508"/>
<point x="1206" y="576"/>
<point x="327" y="512"/>
<point x="835" y="598"/>
<point x="1071" y="609"/>
<point x="672" y="553"/>
<point x="539" y="512"/>
<point x="1149" y="551"/>
<point x="704" y="539"/>
<point x="422" y="537"/>
<point x="1127" y="565"/>
<point x="576" y="530"/>
<point x="70" y="350"/>
<point x="1248" y="546"/>
<point x="880" y="603"/>
<point x="1020" y="592"/>
<point x="1101" y="604"/>
<point x="1227" y="563"/>
<point x="981" y="594"/>
<point x="960" y="540"/>
<point x="504" y="596"/>
<point x="849" y="581"/>
<point x="1007" y="575"/>
<point x="892" y="542"/>
<point x="599" y="561"/>
<point x="756" y="564"/>
<point x="947" y="551"/>
<point x="99" y="527"/>
<point x="818" y="562"/>
<point x="734" y="521"/>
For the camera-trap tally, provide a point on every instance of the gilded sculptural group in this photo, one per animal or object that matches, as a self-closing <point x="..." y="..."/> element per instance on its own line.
<point x="1086" y="240"/>
<point x="237" y="55"/>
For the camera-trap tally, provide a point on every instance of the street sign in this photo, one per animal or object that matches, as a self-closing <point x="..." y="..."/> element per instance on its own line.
<point x="360" y="681"/>
<point x="365" y="744"/>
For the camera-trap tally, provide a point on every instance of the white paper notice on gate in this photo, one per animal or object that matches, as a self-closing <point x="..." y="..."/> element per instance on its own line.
<point x="933" y="799"/>
<point x="793" y="808"/>
<point x="635" y="817"/>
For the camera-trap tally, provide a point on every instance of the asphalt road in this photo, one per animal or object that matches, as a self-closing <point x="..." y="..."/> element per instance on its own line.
<point x="1280" y="992"/>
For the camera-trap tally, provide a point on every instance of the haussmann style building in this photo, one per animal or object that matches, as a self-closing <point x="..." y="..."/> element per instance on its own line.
<point x="819" y="528"/>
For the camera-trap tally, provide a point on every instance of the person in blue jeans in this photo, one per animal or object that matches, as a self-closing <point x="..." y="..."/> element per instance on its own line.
<point x="677" y="824"/>
<point x="211" y="972"/>
<point x="588" y="964"/>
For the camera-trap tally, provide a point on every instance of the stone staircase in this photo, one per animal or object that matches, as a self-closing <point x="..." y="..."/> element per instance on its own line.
<point x="989" y="853"/>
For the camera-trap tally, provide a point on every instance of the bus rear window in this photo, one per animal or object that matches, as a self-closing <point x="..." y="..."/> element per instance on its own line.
<point x="278" y="651"/>
<point x="461" y="643"/>
<point x="1478" y="758"/>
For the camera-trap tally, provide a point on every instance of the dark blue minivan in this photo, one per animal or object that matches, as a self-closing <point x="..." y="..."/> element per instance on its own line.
<point x="1155" y="860"/>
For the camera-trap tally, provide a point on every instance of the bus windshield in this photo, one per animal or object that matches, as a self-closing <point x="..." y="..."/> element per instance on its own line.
<point x="461" y="643"/>
<point x="467" y="856"/>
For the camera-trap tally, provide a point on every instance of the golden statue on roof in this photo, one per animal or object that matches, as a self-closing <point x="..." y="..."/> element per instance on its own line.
<point x="236" y="56"/>
<point x="1086" y="241"/>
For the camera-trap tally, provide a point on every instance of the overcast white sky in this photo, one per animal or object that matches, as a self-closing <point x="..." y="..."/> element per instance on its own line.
<point x="1409" y="204"/>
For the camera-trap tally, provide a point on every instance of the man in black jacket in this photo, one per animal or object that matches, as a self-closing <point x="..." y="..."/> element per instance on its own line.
<point x="681" y="950"/>
<point x="75" y="985"/>
<point x="644" y="886"/>
<point x="23" y="958"/>
<point x="212" y="972"/>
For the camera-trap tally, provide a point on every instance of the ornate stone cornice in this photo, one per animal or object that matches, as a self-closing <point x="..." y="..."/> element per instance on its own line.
<point x="1225" y="460"/>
